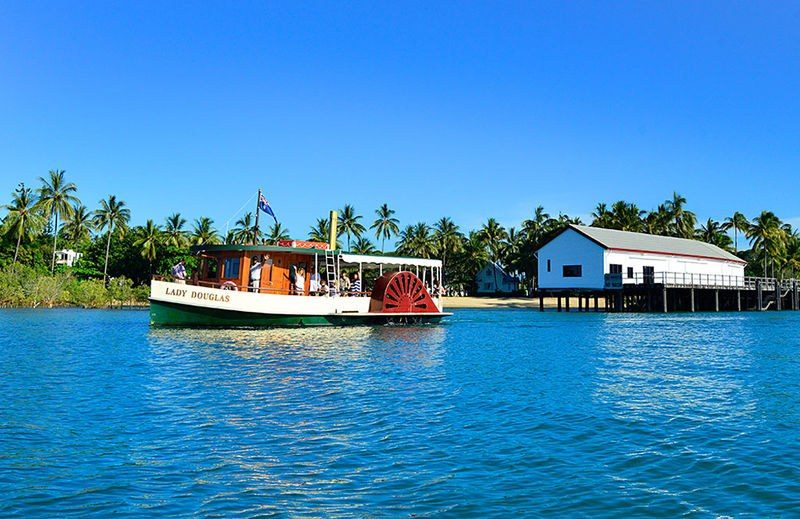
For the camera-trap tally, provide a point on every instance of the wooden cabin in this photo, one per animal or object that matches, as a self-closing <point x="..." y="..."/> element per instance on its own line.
<point x="229" y="266"/>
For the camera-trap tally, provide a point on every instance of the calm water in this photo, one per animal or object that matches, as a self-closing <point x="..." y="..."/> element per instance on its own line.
<point x="497" y="412"/>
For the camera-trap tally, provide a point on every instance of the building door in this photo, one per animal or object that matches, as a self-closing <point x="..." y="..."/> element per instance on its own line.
<point x="649" y="274"/>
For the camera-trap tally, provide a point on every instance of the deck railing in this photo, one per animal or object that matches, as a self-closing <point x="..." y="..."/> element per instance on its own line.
<point x="230" y="285"/>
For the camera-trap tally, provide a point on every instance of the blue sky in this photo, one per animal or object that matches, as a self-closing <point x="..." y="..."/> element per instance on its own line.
<point x="463" y="109"/>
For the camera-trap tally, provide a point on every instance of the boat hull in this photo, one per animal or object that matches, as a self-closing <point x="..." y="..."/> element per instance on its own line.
<point x="177" y="314"/>
<point x="174" y="304"/>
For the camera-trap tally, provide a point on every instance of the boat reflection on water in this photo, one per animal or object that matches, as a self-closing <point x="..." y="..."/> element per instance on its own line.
<point x="420" y="344"/>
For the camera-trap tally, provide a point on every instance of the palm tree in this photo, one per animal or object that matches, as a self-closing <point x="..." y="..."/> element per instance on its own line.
<point x="277" y="233"/>
<point x="23" y="220"/>
<point x="416" y="240"/>
<point x="350" y="224"/>
<point x="203" y="232"/>
<point x="245" y="231"/>
<point x="149" y="240"/>
<point x="321" y="232"/>
<point x="447" y="238"/>
<point x="363" y="246"/>
<point x="405" y="244"/>
<point x="78" y="226"/>
<point x="602" y="217"/>
<point x="174" y="235"/>
<point x="739" y="223"/>
<point x="112" y="213"/>
<point x="385" y="225"/>
<point x="765" y="233"/>
<point x="683" y="221"/>
<point x="55" y="200"/>
<point x="658" y="221"/>
<point x="626" y="217"/>
<point x="712" y="232"/>
<point x="493" y="236"/>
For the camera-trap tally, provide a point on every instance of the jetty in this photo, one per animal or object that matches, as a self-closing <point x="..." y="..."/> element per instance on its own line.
<point x="680" y="292"/>
<point x="638" y="272"/>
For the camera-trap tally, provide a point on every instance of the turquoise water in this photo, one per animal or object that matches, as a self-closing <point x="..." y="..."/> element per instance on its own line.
<point x="498" y="412"/>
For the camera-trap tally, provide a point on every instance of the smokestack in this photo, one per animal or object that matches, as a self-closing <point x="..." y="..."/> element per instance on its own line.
<point x="334" y="225"/>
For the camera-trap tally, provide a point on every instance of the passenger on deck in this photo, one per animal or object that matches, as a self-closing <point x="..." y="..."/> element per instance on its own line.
<point x="300" y="282"/>
<point x="314" y="284"/>
<point x="255" y="274"/>
<point x="324" y="290"/>
<point x="355" y="285"/>
<point x="179" y="272"/>
<point x="344" y="284"/>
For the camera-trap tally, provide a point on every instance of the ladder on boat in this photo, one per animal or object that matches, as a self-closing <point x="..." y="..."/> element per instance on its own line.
<point x="331" y="269"/>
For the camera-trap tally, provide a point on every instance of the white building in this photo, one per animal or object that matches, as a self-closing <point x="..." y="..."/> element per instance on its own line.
<point x="584" y="257"/>
<point x="67" y="257"/>
<point x="492" y="279"/>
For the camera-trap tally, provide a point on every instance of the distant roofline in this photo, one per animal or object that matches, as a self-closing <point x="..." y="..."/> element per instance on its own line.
<point x="580" y="231"/>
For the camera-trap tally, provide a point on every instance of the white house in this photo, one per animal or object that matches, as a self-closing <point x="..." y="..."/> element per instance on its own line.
<point x="584" y="257"/>
<point x="492" y="279"/>
<point x="67" y="257"/>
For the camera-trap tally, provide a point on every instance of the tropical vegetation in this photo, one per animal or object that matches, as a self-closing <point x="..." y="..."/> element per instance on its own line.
<point x="39" y="221"/>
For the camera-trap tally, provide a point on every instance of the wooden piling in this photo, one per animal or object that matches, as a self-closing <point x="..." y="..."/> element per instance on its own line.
<point x="716" y="300"/>
<point x="738" y="300"/>
<point x="559" y="302"/>
<point x="778" y="295"/>
<point x="566" y="306"/>
<point x="759" y="296"/>
<point x="691" y="300"/>
<point x="664" y="305"/>
<point x="541" y="302"/>
<point x="596" y="304"/>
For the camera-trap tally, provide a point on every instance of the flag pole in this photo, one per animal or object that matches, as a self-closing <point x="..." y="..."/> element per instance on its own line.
<point x="258" y="210"/>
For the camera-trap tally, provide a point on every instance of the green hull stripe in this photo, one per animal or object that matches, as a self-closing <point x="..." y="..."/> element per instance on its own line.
<point x="172" y="314"/>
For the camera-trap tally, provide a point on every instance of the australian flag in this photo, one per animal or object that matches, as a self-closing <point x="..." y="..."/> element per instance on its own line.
<point x="264" y="206"/>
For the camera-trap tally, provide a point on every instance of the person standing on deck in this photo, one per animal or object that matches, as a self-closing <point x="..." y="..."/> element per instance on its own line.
<point x="255" y="274"/>
<point x="355" y="285"/>
<point x="179" y="272"/>
<point x="314" y="286"/>
<point x="300" y="282"/>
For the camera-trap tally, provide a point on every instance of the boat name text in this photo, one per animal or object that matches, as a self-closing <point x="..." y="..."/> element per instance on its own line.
<point x="193" y="294"/>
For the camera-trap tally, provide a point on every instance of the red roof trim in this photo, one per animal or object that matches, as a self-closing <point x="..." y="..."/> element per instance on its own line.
<point x="737" y="260"/>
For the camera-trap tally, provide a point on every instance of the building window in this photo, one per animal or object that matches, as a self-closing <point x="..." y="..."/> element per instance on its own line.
<point x="231" y="269"/>
<point x="615" y="269"/>
<point x="548" y="265"/>
<point x="487" y="286"/>
<point x="630" y="272"/>
<point x="573" y="271"/>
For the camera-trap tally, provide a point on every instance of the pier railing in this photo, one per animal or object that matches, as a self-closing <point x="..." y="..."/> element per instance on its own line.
<point x="689" y="280"/>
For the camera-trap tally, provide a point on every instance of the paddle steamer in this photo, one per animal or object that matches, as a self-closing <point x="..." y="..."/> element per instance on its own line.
<point x="222" y="293"/>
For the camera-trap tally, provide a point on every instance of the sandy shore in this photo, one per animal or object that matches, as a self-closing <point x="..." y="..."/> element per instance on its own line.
<point x="505" y="302"/>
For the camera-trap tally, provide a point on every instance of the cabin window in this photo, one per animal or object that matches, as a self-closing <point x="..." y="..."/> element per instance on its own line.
<point x="573" y="271"/>
<point x="213" y="267"/>
<point x="548" y="265"/>
<point x="268" y="266"/>
<point x="630" y="272"/>
<point x="615" y="269"/>
<point x="231" y="269"/>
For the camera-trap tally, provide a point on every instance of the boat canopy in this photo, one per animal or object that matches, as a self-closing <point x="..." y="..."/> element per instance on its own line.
<point x="389" y="260"/>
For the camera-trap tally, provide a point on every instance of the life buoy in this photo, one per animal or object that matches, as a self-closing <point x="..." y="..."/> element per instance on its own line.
<point x="228" y="285"/>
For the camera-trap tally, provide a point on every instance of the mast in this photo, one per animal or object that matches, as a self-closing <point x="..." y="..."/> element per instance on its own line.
<point x="258" y="210"/>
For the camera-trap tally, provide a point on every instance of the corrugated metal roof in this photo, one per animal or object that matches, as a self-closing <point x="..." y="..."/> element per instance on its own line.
<point x="640" y="242"/>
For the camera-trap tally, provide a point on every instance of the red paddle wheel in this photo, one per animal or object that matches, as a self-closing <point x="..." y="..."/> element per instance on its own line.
<point x="401" y="292"/>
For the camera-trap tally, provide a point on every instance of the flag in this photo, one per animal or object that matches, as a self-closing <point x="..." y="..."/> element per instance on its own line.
<point x="264" y="206"/>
